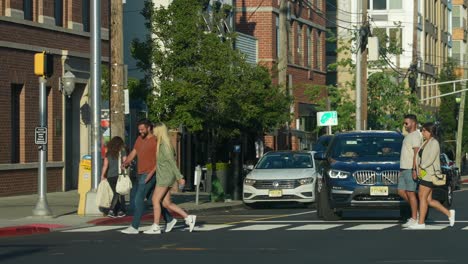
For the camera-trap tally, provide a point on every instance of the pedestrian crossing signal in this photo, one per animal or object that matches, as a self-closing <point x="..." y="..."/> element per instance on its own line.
<point x="43" y="64"/>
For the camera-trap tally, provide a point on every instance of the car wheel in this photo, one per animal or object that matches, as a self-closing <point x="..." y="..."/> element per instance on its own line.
<point x="326" y="211"/>
<point x="449" y="196"/>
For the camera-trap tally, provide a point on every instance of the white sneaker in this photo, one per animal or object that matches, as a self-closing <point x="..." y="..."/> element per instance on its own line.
<point x="170" y="225"/>
<point x="153" y="230"/>
<point x="190" y="221"/>
<point x="417" y="226"/>
<point x="130" y="230"/>
<point x="410" y="222"/>
<point x="452" y="217"/>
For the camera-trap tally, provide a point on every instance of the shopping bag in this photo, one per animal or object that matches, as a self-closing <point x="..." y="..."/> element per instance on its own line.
<point x="124" y="184"/>
<point x="104" y="194"/>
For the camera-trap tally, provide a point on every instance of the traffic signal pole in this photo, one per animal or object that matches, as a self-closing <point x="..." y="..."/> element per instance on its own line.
<point x="42" y="207"/>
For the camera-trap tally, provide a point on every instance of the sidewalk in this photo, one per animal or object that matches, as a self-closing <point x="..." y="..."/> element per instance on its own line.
<point x="16" y="212"/>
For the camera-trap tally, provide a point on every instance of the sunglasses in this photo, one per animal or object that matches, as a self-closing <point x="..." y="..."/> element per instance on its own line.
<point x="406" y="124"/>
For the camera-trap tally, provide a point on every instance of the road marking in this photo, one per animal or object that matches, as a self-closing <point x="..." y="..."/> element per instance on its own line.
<point x="257" y="227"/>
<point x="210" y="227"/>
<point x="313" y="227"/>
<point x="429" y="227"/>
<point x="370" y="227"/>
<point x="271" y="217"/>
<point x="465" y="228"/>
<point x="96" y="229"/>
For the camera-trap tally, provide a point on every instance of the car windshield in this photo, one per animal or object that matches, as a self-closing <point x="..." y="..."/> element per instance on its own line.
<point x="369" y="148"/>
<point x="285" y="161"/>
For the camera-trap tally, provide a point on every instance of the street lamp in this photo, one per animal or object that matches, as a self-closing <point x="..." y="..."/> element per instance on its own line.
<point x="67" y="84"/>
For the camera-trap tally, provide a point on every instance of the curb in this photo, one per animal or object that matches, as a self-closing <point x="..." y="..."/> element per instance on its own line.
<point x="149" y="216"/>
<point x="24" y="230"/>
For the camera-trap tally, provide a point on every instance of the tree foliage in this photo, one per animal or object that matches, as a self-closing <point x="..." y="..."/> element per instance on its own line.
<point x="388" y="97"/>
<point x="199" y="80"/>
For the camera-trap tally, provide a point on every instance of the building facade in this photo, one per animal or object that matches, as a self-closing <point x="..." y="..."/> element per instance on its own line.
<point x="306" y="58"/>
<point x="460" y="36"/>
<point x="60" y="27"/>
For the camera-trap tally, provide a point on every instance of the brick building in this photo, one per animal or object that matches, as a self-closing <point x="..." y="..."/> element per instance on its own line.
<point x="306" y="58"/>
<point x="60" y="27"/>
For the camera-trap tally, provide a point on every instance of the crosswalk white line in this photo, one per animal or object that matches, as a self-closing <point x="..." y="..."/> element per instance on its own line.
<point x="210" y="227"/>
<point x="465" y="228"/>
<point x="314" y="227"/>
<point x="429" y="227"/>
<point x="370" y="227"/>
<point x="95" y="229"/>
<point x="257" y="227"/>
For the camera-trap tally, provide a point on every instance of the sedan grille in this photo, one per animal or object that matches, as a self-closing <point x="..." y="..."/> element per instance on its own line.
<point x="390" y="177"/>
<point x="276" y="184"/>
<point x="365" y="177"/>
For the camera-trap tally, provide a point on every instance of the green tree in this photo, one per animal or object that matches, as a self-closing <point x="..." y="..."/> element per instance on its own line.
<point x="388" y="98"/>
<point x="448" y="107"/>
<point x="201" y="82"/>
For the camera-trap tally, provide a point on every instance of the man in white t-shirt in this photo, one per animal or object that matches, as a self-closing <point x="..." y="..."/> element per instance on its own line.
<point x="408" y="175"/>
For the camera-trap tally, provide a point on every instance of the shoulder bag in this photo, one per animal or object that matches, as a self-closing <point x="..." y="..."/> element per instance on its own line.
<point x="124" y="184"/>
<point x="438" y="178"/>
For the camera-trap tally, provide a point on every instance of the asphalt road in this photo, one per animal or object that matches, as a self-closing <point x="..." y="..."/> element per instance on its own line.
<point x="282" y="234"/>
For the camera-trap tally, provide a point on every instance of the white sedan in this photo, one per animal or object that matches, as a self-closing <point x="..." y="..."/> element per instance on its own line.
<point x="286" y="176"/>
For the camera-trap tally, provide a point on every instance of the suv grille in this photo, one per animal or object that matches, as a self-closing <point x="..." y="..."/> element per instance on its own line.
<point x="367" y="177"/>
<point x="390" y="177"/>
<point x="276" y="184"/>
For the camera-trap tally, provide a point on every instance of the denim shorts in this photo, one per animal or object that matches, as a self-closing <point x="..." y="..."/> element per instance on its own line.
<point x="406" y="182"/>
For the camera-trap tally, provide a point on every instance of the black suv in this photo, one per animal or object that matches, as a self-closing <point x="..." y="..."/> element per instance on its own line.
<point x="360" y="170"/>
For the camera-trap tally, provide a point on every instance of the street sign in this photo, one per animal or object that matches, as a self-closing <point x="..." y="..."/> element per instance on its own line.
<point x="327" y="118"/>
<point x="40" y="135"/>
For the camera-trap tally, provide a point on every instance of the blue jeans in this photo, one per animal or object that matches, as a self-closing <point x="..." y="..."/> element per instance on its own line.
<point x="143" y="189"/>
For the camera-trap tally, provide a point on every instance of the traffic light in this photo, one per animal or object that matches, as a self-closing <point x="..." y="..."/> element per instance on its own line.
<point x="43" y="64"/>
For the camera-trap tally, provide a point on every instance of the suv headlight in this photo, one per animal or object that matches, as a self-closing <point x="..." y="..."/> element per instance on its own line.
<point x="337" y="174"/>
<point x="249" y="182"/>
<point x="305" y="181"/>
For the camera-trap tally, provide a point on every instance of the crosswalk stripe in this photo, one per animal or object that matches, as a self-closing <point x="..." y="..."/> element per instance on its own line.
<point x="370" y="227"/>
<point x="96" y="229"/>
<point x="465" y="228"/>
<point x="210" y="227"/>
<point x="257" y="227"/>
<point x="313" y="227"/>
<point x="430" y="227"/>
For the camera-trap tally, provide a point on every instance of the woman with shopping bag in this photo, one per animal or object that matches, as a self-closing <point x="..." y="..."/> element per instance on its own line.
<point x="115" y="154"/>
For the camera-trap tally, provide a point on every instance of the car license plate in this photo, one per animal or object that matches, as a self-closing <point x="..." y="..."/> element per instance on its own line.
<point x="275" y="193"/>
<point x="379" y="190"/>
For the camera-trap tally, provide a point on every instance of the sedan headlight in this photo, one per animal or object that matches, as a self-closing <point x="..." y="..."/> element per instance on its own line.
<point x="305" y="181"/>
<point x="249" y="182"/>
<point x="337" y="174"/>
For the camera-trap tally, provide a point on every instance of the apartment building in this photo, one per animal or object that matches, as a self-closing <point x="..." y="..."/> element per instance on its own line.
<point x="60" y="27"/>
<point x="306" y="58"/>
<point x="460" y="36"/>
<point x="397" y="19"/>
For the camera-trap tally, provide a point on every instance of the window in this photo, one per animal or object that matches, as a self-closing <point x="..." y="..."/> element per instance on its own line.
<point x="58" y="12"/>
<point x="331" y="5"/>
<point x="15" y="122"/>
<point x="290" y="44"/>
<point x="28" y="9"/>
<point x="300" y="45"/>
<point x="379" y="4"/>
<point x="278" y="44"/>
<point x="396" y="37"/>
<point x="318" y="55"/>
<point x="395" y="4"/>
<point x="309" y="48"/>
<point x="456" y="51"/>
<point x="456" y="20"/>
<point x="86" y="15"/>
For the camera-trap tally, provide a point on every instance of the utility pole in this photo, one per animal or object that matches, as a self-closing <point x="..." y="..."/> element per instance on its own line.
<point x="461" y="117"/>
<point x="117" y="116"/>
<point x="365" y="34"/>
<point x="283" y="45"/>
<point x="358" y="71"/>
